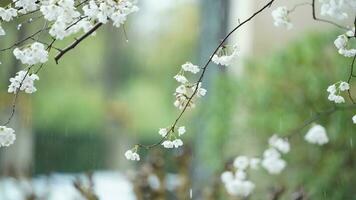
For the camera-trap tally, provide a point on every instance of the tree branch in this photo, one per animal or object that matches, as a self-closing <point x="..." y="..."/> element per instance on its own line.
<point x="324" y="20"/>
<point x="76" y="42"/>
<point x="202" y="76"/>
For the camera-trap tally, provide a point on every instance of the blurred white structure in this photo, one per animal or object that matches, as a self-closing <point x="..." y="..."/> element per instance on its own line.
<point x="107" y="186"/>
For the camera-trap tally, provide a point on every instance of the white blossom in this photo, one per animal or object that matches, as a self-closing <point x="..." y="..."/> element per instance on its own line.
<point x="334" y="92"/>
<point x="332" y="88"/>
<point x="223" y="57"/>
<point x="181" y="130"/>
<point x="184" y="92"/>
<point x="333" y="8"/>
<point x="167" y="144"/>
<point x="7" y="136"/>
<point x="273" y="165"/>
<point x="272" y="161"/>
<point x="177" y="143"/>
<point x="172" y="144"/>
<point x="271" y="153"/>
<point x="25" y="6"/>
<point x="2" y="31"/>
<point x="281" y="18"/>
<point x="131" y="155"/>
<point x="241" y="162"/>
<point x="279" y="143"/>
<point x="163" y="132"/>
<point x="240" y="174"/>
<point x="317" y="135"/>
<point x="181" y="79"/>
<point x="7" y="14"/>
<point x="27" y="82"/>
<point x="181" y="89"/>
<point x="344" y="86"/>
<point x="32" y="55"/>
<point x="242" y="188"/>
<point x="189" y="67"/>
<point x="354" y="119"/>
<point x="227" y="176"/>
<point x="342" y="41"/>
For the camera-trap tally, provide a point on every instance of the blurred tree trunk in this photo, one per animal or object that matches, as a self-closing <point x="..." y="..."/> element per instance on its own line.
<point x="207" y="146"/>
<point x="16" y="160"/>
<point x="112" y="75"/>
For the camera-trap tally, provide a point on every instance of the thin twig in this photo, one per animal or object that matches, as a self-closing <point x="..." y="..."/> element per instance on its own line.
<point x="324" y="20"/>
<point x="318" y="116"/>
<point x="202" y="76"/>
<point x="76" y="42"/>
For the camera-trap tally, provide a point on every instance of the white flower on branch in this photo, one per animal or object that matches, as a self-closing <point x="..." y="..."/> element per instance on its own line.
<point x="317" y="135"/>
<point x="241" y="188"/>
<point x="333" y="8"/>
<point x="26" y="6"/>
<point x="344" y="86"/>
<point x="281" y="18"/>
<point x="354" y="119"/>
<point x="32" y="55"/>
<point x="7" y="136"/>
<point x="227" y="176"/>
<point x="181" y="78"/>
<point x="335" y="90"/>
<point x="185" y="91"/>
<point x="117" y="11"/>
<point x="2" y="31"/>
<point x="172" y="144"/>
<point x="342" y="42"/>
<point x="280" y="144"/>
<point x="7" y="14"/>
<point x="225" y="55"/>
<point x="181" y="130"/>
<point x="272" y="161"/>
<point x="189" y="67"/>
<point x="241" y="162"/>
<point x="163" y="132"/>
<point x="132" y="155"/>
<point x="24" y="82"/>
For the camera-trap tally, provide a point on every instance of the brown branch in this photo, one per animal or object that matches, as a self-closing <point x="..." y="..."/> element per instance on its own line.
<point x="76" y="42"/>
<point x="202" y="76"/>
<point x="324" y="20"/>
<point x="24" y="40"/>
<point x="351" y="75"/>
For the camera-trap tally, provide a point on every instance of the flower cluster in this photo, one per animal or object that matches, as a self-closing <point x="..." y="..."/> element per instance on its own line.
<point x="186" y="93"/>
<point x="336" y="8"/>
<point x="335" y="90"/>
<point x="272" y="160"/>
<point x="281" y="18"/>
<point x="236" y="183"/>
<point x="173" y="140"/>
<point x="23" y="81"/>
<point x="317" y="135"/>
<point x="7" y="14"/>
<point x="65" y="16"/>
<point x="225" y="55"/>
<point x="32" y="55"/>
<point x="132" y="155"/>
<point x="7" y="136"/>
<point x="104" y="10"/>
<point x="342" y="41"/>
